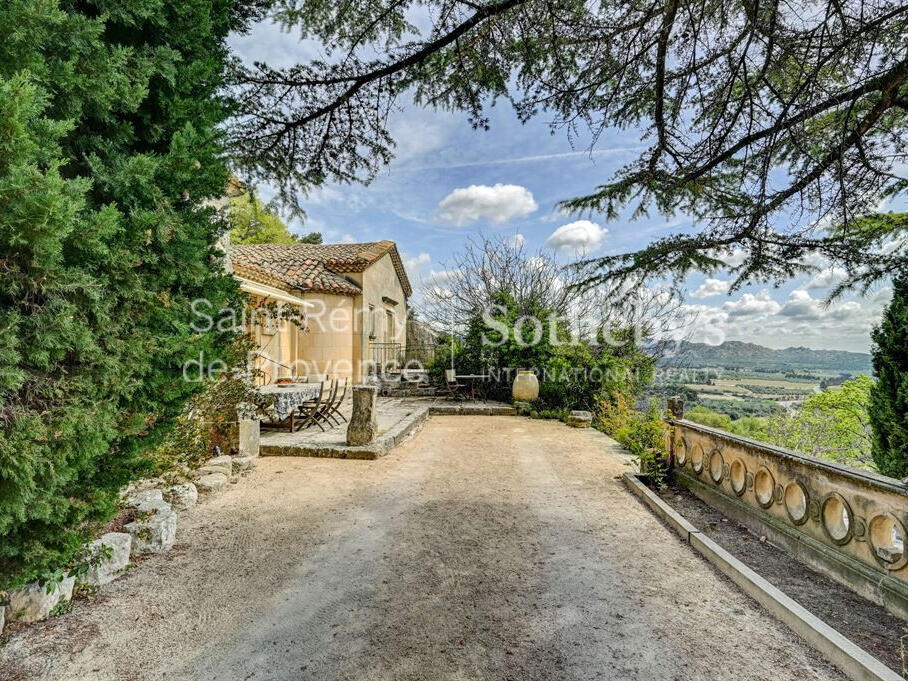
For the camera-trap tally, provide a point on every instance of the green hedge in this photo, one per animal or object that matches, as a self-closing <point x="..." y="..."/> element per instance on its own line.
<point x="108" y="149"/>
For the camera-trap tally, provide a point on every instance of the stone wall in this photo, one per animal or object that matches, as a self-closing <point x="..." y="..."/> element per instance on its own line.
<point x="844" y="522"/>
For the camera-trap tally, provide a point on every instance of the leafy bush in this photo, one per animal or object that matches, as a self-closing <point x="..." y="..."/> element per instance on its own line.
<point x="573" y="374"/>
<point x="753" y="427"/>
<point x="641" y="433"/>
<point x="108" y="149"/>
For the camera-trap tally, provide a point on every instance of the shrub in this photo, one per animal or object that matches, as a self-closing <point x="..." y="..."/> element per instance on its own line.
<point x="108" y="150"/>
<point x="641" y="433"/>
<point x="573" y="374"/>
<point x="888" y="409"/>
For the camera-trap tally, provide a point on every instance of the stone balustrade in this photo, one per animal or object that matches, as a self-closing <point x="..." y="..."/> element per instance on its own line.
<point x="845" y="522"/>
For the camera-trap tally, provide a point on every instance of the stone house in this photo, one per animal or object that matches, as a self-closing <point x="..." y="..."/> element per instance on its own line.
<point x="353" y="298"/>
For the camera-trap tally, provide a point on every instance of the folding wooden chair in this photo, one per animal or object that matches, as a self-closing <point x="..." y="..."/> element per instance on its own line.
<point x="309" y="411"/>
<point x="333" y="411"/>
<point x="320" y="411"/>
<point x="452" y="387"/>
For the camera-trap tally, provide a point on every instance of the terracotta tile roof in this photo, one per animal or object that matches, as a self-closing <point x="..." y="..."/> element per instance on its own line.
<point x="314" y="267"/>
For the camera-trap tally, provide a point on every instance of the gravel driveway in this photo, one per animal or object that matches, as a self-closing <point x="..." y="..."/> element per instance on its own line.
<point x="483" y="548"/>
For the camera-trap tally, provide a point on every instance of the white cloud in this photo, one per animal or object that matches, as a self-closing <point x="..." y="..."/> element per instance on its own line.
<point x="498" y="203"/>
<point x="556" y="215"/>
<point x="518" y="240"/>
<point x="800" y="319"/>
<point x="414" y="264"/>
<point x="267" y="41"/>
<point x="580" y="236"/>
<point x="348" y="239"/>
<point x="710" y="288"/>
<point x="827" y="278"/>
<point x="438" y="278"/>
<point x="750" y="305"/>
<point x="731" y="258"/>
<point x="800" y="305"/>
<point x="432" y="133"/>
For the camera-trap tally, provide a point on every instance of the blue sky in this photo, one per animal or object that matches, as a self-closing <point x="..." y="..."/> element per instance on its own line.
<point x="449" y="181"/>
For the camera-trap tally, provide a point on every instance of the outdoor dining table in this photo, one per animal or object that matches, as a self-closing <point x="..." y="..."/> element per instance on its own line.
<point x="278" y="402"/>
<point x="472" y="380"/>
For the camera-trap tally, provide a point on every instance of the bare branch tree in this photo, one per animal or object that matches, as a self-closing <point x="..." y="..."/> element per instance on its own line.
<point x="490" y="265"/>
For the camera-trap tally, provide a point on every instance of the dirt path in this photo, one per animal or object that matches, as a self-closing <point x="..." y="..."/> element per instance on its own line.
<point x="484" y="548"/>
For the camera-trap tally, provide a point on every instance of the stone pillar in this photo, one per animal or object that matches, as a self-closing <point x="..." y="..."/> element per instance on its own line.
<point x="363" y="422"/>
<point x="676" y="407"/>
<point x="248" y="435"/>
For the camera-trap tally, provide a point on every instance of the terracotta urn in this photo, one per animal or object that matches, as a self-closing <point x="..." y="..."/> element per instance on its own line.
<point x="526" y="386"/>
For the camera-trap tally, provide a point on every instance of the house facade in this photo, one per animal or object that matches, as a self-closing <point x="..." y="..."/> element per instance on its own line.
<point x="352" y="299"/>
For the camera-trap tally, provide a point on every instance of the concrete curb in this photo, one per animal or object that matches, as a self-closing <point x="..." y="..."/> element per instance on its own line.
<point x="854" y="661"/>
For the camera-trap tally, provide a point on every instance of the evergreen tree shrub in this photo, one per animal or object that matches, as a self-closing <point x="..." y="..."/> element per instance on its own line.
<point x="888" y="408"/>
<point x="109" y="150"/>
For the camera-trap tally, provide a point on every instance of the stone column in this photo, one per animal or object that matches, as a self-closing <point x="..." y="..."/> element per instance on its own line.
<point x="363" y="422"/>
<point x="248" y="434"/>
<point x="675" y="412"/>
<point x="676" y="407"/>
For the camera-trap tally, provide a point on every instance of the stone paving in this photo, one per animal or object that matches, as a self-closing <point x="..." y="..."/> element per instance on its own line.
<point x="397" y="419"/>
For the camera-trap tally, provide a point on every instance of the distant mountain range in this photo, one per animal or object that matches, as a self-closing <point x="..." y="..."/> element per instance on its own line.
<point x="736" y="354"/>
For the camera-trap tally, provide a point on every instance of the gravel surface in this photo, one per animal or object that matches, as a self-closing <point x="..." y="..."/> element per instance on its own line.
<point x="483" y="548"/>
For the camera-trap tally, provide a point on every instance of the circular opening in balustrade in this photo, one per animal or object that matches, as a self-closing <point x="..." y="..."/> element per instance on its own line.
<point x="716" y="465"/>
<point x="764" y="487"/>
<point x="738" y="476"/>
<point x="796" y="502"/>
<point x="681" y="459"/>
<point x="837" y="518"/>
<point x="696" y="459"/>
<point x="887" y="537"/>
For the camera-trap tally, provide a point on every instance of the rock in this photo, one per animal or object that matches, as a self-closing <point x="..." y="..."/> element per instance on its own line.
<point x="182" y="497"/>
<point x="154" y="532"/>
<point x="144" y="500"/>
<point x="363" y="425"/>
<point x="579" y="419"/>
<point x="243" y="463"/>
<point x="120" y="545"/>
<point x="219" y="464"/>
<point x="32" y="603"/>
<point x="211" y="482"/>
<point x="2" y="618"/>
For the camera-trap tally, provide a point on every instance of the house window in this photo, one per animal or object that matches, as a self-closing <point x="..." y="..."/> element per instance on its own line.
<point x="392" y="332"/>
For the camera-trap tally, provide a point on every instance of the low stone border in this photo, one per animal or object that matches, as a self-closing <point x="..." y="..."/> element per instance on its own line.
<point x="472" y="410"/>
<point x="854" y="661"/>
<point x="374" y="450"/>
<point x="153" y="531"/>
<point x="846" y="523"/>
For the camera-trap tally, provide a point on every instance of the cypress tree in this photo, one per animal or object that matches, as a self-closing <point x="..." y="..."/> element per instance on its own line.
<point x="889" y="396"/>
<point x="108" y="152"/>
